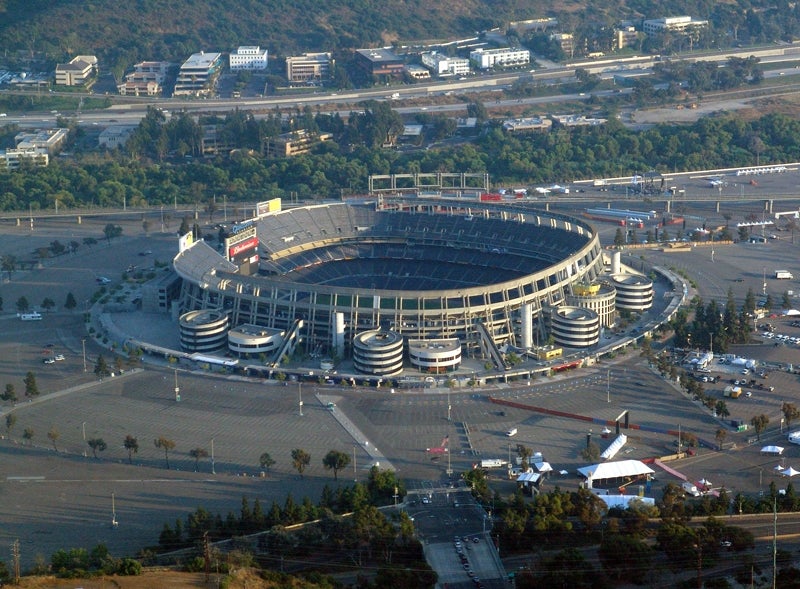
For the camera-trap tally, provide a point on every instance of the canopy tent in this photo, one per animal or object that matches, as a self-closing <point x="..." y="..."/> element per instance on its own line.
<point x="772" y="450"/>
<point x="614" y="447"/>
<point x="779" y="467"/>
<point x="624" y="501"/>
<point x="791" y="312"/>
<point x="615" y="470"/>
<point x="790" y="472"/>
<point x="542" y="467"/>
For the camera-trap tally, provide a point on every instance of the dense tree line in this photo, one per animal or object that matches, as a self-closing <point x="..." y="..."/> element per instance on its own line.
<point x="562" y="155"/>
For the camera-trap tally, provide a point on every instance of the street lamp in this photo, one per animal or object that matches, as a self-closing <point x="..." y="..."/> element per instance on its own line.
<point x="608" y="386"/>
<point x="83" y="344"/>
<point x="213" y="471"/>
<point x="300" y="395"/>
<point x="177" y="388"/>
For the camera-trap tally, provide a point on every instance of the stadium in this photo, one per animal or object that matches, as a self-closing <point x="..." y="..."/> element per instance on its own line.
<point x="481" y="274"/>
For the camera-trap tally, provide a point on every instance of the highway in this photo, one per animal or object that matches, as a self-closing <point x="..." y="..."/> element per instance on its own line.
<point x="129" y="110"/>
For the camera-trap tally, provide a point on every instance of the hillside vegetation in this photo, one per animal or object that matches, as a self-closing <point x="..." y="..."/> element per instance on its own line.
<point x="173" y="29"/>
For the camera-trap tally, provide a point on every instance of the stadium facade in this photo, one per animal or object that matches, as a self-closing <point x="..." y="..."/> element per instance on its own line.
<point x="427" y="270"/>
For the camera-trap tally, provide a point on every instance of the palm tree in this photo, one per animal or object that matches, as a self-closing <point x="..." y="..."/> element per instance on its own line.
<point x="165" y="444"/>
<point x="759" y="423"/>
<point x="721" y="434"/>
<point x="131" y="444"/>
<point x="197" y="454"/>
<point x="28" y="434"/>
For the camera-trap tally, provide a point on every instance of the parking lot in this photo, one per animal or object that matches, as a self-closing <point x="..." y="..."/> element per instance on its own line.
<point x="71" y="498"/>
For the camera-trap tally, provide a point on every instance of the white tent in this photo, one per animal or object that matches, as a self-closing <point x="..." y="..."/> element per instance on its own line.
<point x="705" y="482"/>
<point x="615" y="470"/>
<point x="542" y="467"/>
<point x="790" y="472"/>
<point x="614" y="447"/>
<point x="772" y="450"/>
<point x="791" y="312"/>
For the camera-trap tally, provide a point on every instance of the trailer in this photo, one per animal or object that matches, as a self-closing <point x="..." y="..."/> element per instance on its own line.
<point x="493" y="463"/>
<point x="783" y="275"/>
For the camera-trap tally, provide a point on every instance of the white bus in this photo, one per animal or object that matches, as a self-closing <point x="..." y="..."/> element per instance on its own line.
<point x="30" y="316"/>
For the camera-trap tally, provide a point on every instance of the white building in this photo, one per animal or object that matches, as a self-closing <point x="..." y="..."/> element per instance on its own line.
<point x="45" y="140"/>
<point x="12" y="158"/>
<point x="672" y="24"/>
<point x="115" y="137"/>
<point x="197" y="74"/>
<point x="443" y="65"/>
<point x="488" y="58"/>
<point x="249" y="57"/>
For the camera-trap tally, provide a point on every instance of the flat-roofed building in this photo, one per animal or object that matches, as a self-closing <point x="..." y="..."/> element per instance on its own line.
<point x="251" y="341"/>
<point x="249" y="57"/>
<point x="444" y="65"/>
<point x="295" y="143"/>
<point x="198" y="74"/>
<point x="380" y="62"/>
<point x="504" y="57"/>
<point x="146" y="79"/>
<point x="12" y="159"/>
<point x="308" y="68"/>
<point x="625" y="36"/>
<point x="77" y="72"/>
<point x="435" y="356"/>
<point x="566" y="41"/>
<point x="673" y="24"/>
<point x="47" y="140"/>
<point x="578" y="121"/>
<point x="527" y="124"/>
<point x="417" y="72"/>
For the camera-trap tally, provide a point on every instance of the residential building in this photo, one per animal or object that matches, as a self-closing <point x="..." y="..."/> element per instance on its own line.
<point x="380" y="62"/>
<point x="147" y="79"/>
<point x="566" y="41"/>
<point x="295" y="143"/>
<point x="309" y="68"/>
<point x="527" y="124"/>
<point x="115" y="137"/>
<point x="198" y="74"/>
<point x="488" y="58"/>
<point x="49" y="141"/>
<point x="12" y="158"/>
<point x="214" y="141"/>
<point x="673" y="24"/>
<point x="248" y="57"/>
<point x="444" y="65"/>
<point x="78" y="72"/>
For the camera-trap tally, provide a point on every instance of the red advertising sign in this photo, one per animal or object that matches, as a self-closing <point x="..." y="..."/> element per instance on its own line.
<point x="242" y="246"/>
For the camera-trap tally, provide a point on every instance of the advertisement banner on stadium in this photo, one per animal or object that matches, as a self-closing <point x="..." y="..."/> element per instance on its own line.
<point x="242" y="246"/>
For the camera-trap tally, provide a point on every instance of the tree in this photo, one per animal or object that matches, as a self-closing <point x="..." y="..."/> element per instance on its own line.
<point x="11" y="421"/>
<point x="790" y="413"/>
<point x="720" y="436"/>
<point x="70" y="303"/>
<point x="23" y="305"/>
<point x="111" y="231"/>
<point x="28" y="434"/>
<point x="131" y="444"/>
<point x="336" y="460"/>
<point x="197" y="454"/>
<point x="97" y="445"/>
<point x="266" y="461"/>
<point x="31" y="389"/>
<point x="53" y="436"/>
<point x="300" y="460"/>
<point x="10" y="393"/>
<point x="524" y="454"/>
<point x="619" y="237"/>
<point x="625" y="558"/>
<point x="759" y="423"/>
<point x="101" y="367"/>
<point x="48" y="303"/>
<point x="165" y="444"/>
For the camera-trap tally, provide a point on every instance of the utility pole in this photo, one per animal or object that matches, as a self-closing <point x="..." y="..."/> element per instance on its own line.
<point x="177" y="388"/>
<point x="355" y="473"/>
<point x="15" y="559"/>
<point x="448" y="405"/>
<point x="212" y="457"/>
<point x="608" y="386"/>
<point x="83" y="344"/>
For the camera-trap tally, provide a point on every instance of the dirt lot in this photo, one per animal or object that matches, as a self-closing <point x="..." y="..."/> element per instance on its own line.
<point x="150" y="580"/>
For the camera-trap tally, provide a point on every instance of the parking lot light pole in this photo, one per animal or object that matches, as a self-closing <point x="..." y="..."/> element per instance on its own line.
<point x="300" y="396"/>
<point x="83" y="344"/>
<point x="213" y="471"/>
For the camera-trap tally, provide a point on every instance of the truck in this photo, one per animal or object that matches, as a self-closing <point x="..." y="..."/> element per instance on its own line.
<point x="733" y="392"/>
<point x="493" y="463"/>
<point x="512" y="432"/>
<point x="783" y="275"/>
<point x="690" y="489"/>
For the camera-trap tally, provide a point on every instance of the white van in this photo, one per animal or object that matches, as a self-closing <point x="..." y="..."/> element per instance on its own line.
<point x="512" y="432"/>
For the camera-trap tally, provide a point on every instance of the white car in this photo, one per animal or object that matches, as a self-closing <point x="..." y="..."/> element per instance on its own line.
<point x="59" y="357"/>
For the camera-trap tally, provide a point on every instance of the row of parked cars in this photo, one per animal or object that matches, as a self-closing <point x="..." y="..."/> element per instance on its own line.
<point x="781" y="337"/>
<point x="460" y="550"/>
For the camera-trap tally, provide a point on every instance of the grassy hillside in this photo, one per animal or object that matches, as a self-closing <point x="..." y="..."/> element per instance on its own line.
<point x="123" y="32"/>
